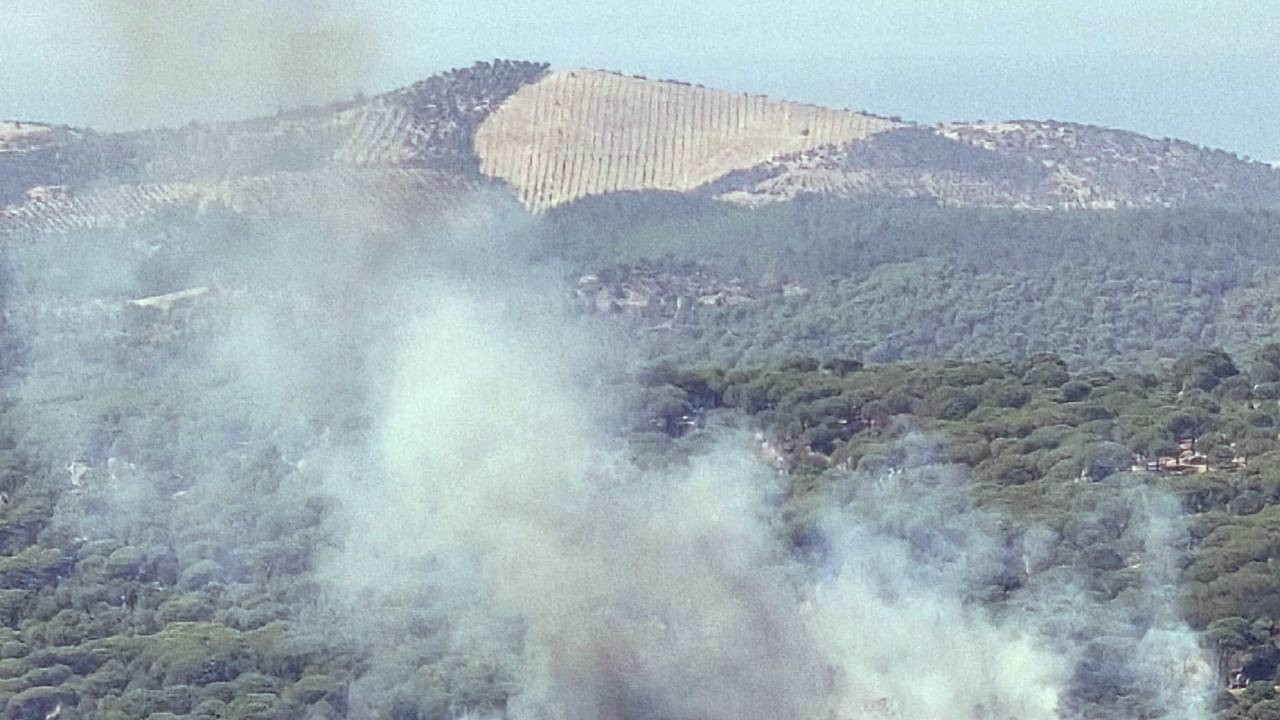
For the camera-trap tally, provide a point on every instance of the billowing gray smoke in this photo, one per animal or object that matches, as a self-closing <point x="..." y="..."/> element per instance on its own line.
<point x="491" y="547"/>
<point x="407" y="448"/>
<point x="673" y="594"/>
<point x="628" y="585"/>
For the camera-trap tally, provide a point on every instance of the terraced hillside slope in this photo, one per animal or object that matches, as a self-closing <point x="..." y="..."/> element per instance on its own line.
<point x="380" y="197"/>
<point x="555" y="137"/>
<point x="586" y="132"/>
<point x="389" y="157"/>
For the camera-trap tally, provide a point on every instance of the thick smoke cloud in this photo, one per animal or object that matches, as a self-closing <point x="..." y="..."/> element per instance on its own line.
<point x="662" y="594"/>
<point x="485" y="521"/>
<point x="415" y="433"/>
<point x="489" y="546"/>
<point x="206" y="60"/>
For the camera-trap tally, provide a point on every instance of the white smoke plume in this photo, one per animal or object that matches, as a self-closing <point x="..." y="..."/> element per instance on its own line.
<point x="489" y="546"/>
<point x="673" y="594"/>
<point x="488" y="523"/>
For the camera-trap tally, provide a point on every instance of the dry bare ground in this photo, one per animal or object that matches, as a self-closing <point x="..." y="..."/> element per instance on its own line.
<point x="585" y="132"/>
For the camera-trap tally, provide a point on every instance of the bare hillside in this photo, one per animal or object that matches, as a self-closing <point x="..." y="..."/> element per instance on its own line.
<point x="586" y="132"/>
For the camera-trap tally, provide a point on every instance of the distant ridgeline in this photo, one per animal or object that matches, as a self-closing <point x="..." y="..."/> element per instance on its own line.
<point x="551" y="137"/>
<point x="736" y="227"/>
<point x="578" y="133"/>
<point x="1057" y="315"/>
<point x="390" y="158"/>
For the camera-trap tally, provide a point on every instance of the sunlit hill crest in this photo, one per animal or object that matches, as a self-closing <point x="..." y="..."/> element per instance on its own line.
<point x="549" y="137"/>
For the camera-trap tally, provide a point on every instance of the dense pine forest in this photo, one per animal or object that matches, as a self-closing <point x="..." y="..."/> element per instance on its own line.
<point x="915" y="281"/>
<point x="1081" y="400"/>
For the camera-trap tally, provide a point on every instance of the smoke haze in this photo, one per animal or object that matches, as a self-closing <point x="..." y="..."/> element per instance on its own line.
<point x="234" y="59"/>
<point x="406" y="450"/>
<point x="482" y="522"/>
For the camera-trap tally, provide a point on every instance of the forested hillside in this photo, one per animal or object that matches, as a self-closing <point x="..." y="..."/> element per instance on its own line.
<point x="551" y="137"/>
<point x="1052" y="452"/>
<point x="476" y="399"/>
<point x="172" y="563"/>
<point x="175" y="507"/>
<point x="880" y="283"/>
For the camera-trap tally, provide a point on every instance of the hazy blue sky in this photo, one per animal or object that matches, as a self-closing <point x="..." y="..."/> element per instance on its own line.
<point x="1205" y="71"/>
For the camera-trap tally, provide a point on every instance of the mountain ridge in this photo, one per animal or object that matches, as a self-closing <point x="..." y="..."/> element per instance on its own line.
<point x="550" y="137"/>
